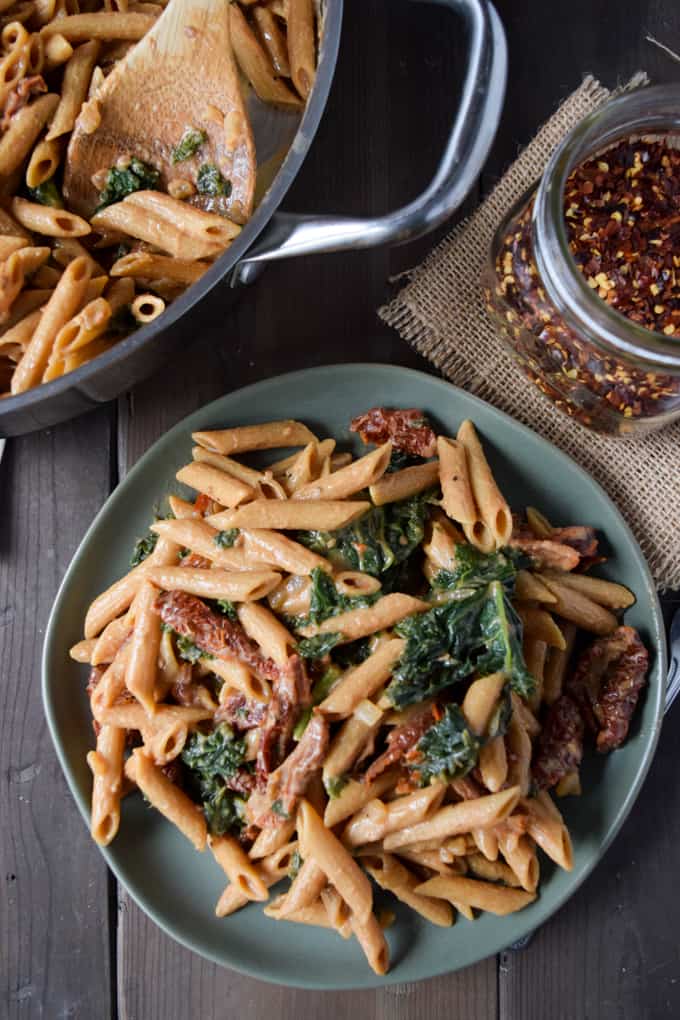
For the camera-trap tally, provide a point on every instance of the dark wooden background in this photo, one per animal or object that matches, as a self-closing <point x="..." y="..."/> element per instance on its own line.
<point x="72" y="944"/>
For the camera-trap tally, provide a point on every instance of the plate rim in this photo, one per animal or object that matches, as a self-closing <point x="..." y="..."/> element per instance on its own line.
<point x="657" y="631"/>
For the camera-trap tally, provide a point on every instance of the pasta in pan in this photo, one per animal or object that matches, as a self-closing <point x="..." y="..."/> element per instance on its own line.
<point x="53" y="61"/>
<point x="368" y="697"/>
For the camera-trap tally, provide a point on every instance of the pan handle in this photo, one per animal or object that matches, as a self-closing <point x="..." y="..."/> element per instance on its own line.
<point x="469" y="142"/>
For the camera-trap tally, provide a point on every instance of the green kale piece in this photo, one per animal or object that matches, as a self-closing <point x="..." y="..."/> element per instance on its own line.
<point x="225" y="539"/>
<point x="278" y="809"/>
<point x="143" y="548"/>
<point x="187" y="650"/>
<point x="399" y="460"/>
<point x="212" y="759"/>
<point x="302" y="723"/>
<point x="47" y="193"/>
<point x="447" y="750"/>
<point x="474" y="568"/>
<point x="353" y="653"/>
<point x="438" y="649"/>
<point x="501" y="632"/>
<point x="500" y="720"/>
<point x="335" y="785"/>
<point x="322" y="687"/>
<point x="325" y="600"/>
<point x="227" y="608"/>
<point x="137" y="176"/>
<point x="379" y="540"/>
<point x="318" y="646"/>
<point x="295" y="864"/>
<point x="210" y="181"/>
<point x="188" y="145"/>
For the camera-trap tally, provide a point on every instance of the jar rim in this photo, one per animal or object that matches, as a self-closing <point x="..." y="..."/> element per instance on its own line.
<point x="648" y="110"/>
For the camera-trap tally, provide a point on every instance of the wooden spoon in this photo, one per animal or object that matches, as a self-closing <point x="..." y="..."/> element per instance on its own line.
<point x="180" y="76"/>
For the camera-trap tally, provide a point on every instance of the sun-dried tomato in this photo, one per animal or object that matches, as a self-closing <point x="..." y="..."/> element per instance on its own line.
<point x="407" y="430"/>
<point x="559" y="748"/>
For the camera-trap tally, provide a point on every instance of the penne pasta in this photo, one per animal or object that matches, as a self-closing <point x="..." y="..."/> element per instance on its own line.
<point x="370" y="937"/>
<point x="493" y="508"/>
<point x="493" y="764"/>
<point x="546" y="826"/>
<point x="268" y="547"/>
<point x="140" y="676"/>
<point x="223" y="488"/>
<point x="167" y="798"/>
<point x="238" y="867"/>
<point x="354" y="795"/>
<point x="320" y="845"/>
<point x="395" y="878"/>
<point x="362" y="681"/>
<point x="539" y="625"/>
<point x="529" y="588"/>
<point x="376" y="819"/>
<point x="481" y="700"/>
<point x="455" y="819"/>
<point x="605" y="593"/>
<point x="106" y="764"/>
<point x="267" y="631"/>
<point x="246" y="438"/>
<point x="454" y="477"/>
<point x="358" y="475"/>
<point x="358" y="623"/>
<point x="556" y="663"/>
<point x="75" y="85"/>
<point x="578" y="608"/>
<point x="301" y="45"/>
<point x="403" y="484"/>
<point x="104" y="25"/>
<point x="284" y="515"/>
<point x="236" y="586"/>
<point x="304" y="890"/>
<point x="256" y="64"/>
<point x="497" y="899"/>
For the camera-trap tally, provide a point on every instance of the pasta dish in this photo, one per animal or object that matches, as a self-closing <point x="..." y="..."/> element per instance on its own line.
<point x="75" y="277"/>
<point x="343" y="671"/>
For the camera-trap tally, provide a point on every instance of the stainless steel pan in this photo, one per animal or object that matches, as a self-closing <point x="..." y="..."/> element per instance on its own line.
<point x="271" y="234"/>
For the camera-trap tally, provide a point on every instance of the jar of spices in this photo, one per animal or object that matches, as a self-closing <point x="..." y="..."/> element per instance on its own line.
<point x="584" y="273"/>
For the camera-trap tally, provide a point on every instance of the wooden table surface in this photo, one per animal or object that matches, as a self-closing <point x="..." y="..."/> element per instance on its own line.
<point x="72" y="944"/>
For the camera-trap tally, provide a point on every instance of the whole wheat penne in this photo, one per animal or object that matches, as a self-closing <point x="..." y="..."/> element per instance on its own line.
<point x="433" y="860"/>
<point x="8" y="245"/>
<point x="301" y="45"/>
<point x="393" y="876"/>
<point x="493" y="508"/>
<point x="158" y="267"/>
<point x="110" y="640"/>
<point x="539" y="624"/>
<point x="317" y="843"/>
<point x="202" y="539"/>
<point x="372" y="940"/>
<point x="82" y="651"/>
<point x="106" y="764"/>
<point x="112" y="683"/>
<point x="238" y="867"/>
<point x="57" y="51"/>
<point x="23" y="130"/>
<point x="486" y="842"/>
<point x="131" y="715"/>
<point x="483" y="895"/>
<point x="307" y="467"/>
<point x="529" y="587"/>
<point x="605" y="593"/>
<point x="281" y="468"/>
<point x="271" y="870"/>
<point x="244" y="438"/>
<point x="140" y="675"/>
<point x="492" y="871"/>
<point x="236" y="675"/>
<point x="556" y="663"/>
<point x="284" y="515"/>
<point x="525" y="715"/>
<point x="480" y="701"/>
<point x="376" y="819"/>
<point x="271" y="839"/>
<point x="315" y="914"/>
<point x="305" y="887"/>
<point x="349" y="480"/>
<point x="75" y="83"/>
<point x="538" y="523"/>
<point x="232" y="467"/>
<point x="167" y="798"/>
<point x="454" y="477"/>
<point x="43" y="164"/>
<point x="266" y="547"/>
<point x="403" y="484"/>
<point x="354" y="795"/>
<point x="223" y="488"/>
<point x="455" y="819"/>
<point x="546" y="826"/>
<point x="362" y="681"/>
<point x="358" y="623"/>
<point x="348" y="743"/>
<point x="256" y="64"/>
<point x="493" y="764"/>
<point x="573" y="605"/>
<point x="518" y="745"/>
<point x="104" y="25"/>
<point x="337" y="911"/>
<point x="272" y="39"/>
<point x="520" y="854"/>
<point x="66" y="298"/>
<point x="141" y="219"/>
<point x="535" y="652"/>
<point x="43" y="219"/>
<point x="236" y="586"/>
<point x="354" y="583"/>
<point x="263" y="627"/>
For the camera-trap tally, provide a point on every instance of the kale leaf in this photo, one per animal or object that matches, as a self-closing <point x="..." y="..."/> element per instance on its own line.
<point x="211" y="760"/>
<point x="399" y="460"/>
<point x="187" y="650"/>
<point x="143" y="548"/>
<point x="438" y="649"/>
<point x="318" y="646"/>
<point x="225" y="539"/>
<point x="335" y="785"/>
<point x="474" y="568"/>
<point x="295" y="864"/>
<point x="209" y="181"/>
<point x="137" y="176"/>
<point x="379" y="540"/>
<point x="501" y="630"/>
<point x="447" y="750"/>
<point x="188" y="145"/>
<point x="47" y="193"/>
<point x="227" y="609"/>
<point x="322" y="687"/>
<point x="325" y="600"/>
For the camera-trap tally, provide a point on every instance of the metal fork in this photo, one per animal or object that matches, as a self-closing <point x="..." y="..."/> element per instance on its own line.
<point x="673" y="685"/>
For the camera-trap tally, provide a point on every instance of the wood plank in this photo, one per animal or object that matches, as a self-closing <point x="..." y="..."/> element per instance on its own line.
<point x="301" y="313"/>
<point x="612" y="952"/>
<point x="54" y="943"/>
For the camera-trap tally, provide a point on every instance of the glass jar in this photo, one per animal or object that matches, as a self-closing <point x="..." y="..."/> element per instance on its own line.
<point x="602" y="368"/>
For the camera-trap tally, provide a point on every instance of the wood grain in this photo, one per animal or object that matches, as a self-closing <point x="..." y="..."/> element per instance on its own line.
<point x="54" y="946"/>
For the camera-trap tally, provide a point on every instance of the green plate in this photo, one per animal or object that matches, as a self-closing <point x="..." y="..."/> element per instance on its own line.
<point x="177" y="887"/>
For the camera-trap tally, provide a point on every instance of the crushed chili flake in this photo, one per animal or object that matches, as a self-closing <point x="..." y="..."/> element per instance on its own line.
<point x="622" y="212"/>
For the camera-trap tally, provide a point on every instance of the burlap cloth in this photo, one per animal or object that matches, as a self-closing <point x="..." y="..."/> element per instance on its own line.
<point x="441" y="313"/>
